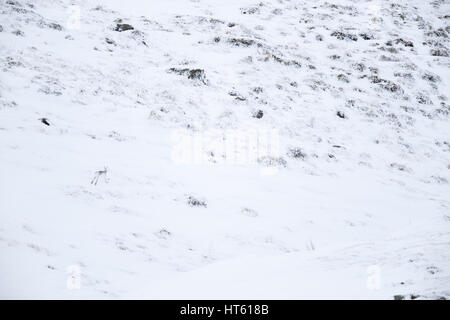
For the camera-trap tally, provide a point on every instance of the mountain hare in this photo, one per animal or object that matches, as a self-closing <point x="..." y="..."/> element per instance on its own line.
<point x="98" y="174"/>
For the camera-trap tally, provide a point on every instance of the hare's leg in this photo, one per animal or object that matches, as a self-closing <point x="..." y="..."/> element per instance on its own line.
<point x="95" y="180"/>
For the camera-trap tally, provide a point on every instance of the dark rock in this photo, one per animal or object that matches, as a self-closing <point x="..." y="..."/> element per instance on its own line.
<point x="258" y="115"/>
<point x="340" y="114"/>
<point x="110" y="41"/>
<point x="45" y="121"/>
<point x="120" y="27"/>
<point x="399" y="297"/>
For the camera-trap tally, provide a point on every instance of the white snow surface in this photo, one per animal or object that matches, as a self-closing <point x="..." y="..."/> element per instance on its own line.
<point x="369" y="197"/>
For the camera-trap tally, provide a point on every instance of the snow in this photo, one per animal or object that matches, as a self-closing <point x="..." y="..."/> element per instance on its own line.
<point x="362" y="211"/>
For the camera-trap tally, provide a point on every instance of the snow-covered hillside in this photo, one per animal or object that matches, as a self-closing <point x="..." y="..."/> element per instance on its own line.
<point x="352" y="199"/>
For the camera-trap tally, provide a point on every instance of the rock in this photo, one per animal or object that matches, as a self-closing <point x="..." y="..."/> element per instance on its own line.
<point x="340" y="114"/>
<point x="110" y="41"/>
<point x="45" y="121"/>
<point x="120" y="27"/>
<point x="258" y="115"/>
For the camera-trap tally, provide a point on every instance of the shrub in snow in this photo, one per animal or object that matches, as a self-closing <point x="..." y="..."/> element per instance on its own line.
<point x="194" y="202"/>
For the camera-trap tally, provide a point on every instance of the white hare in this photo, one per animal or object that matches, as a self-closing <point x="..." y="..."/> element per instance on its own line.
<point x="98" y="174"/>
